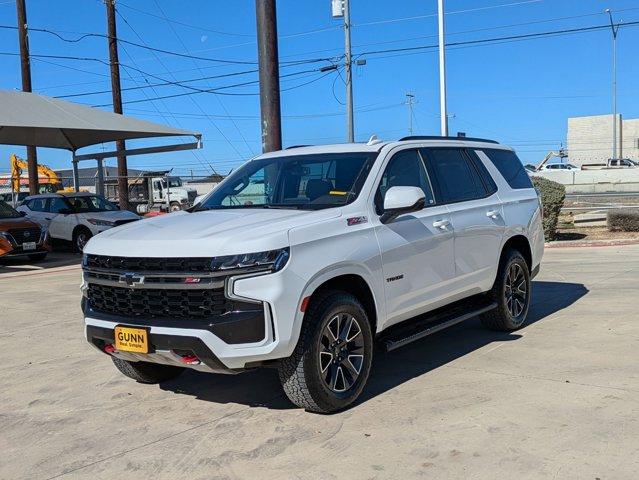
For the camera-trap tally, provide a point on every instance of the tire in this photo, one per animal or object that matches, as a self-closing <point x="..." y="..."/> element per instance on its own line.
<point x="38" y="257"/>
<point x="80" y="238"/>
<point x="144" y="372"/>
<point x="311" y="376"/>
<point x="512" y="305"/>
<point x="175" y="207"/>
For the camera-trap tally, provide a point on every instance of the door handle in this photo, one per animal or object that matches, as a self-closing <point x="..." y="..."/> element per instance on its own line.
<point x="443" y="224"/>
<point x="47" y="218"/>
<point x="493" y="213"/>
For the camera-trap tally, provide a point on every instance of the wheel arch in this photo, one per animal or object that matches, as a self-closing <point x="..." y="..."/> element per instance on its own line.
<point x="522" y="245"/>
<point x="351" y="282"/>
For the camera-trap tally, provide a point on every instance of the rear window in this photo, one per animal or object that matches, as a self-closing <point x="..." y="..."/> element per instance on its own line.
<point x="510" y="168"/>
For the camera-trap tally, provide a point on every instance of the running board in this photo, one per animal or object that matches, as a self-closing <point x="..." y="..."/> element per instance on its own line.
<point x="432" y="323"/>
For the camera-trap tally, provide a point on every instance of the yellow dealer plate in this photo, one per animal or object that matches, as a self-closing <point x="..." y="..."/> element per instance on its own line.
<point x="129" y="339"/>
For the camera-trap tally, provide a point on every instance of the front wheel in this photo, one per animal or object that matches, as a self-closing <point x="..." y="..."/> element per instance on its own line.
<point x="175" y="207"/>
<point x="332" y="360"/>
<point x="80" y="239"/>
<point x="511" y="292"/>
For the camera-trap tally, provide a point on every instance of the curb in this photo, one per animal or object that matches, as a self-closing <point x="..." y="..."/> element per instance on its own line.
<point x="592" y="243"/>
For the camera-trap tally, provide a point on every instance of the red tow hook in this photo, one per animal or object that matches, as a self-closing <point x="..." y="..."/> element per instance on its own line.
<point x="109" y="348"/>
<point x="190" y="359"/>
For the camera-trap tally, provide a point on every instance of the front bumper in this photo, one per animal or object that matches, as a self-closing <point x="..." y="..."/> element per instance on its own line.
<point x="9" y="249"/>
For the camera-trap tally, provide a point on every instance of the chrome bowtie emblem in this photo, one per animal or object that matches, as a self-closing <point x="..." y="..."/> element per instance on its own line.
<point x="131" y="279"/>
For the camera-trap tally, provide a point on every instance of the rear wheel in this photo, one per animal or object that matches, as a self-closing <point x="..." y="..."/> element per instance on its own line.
<point x="144" y="372"/>
<point x="332" y="360"/>
<point x="38" y="257"/>
<point x="511" y="292"/>
<point x="80" y="239"/>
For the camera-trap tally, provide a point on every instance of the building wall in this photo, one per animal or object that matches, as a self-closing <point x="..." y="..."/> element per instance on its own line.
<point x="630" y="139"/>
<point x="590" y="139"/>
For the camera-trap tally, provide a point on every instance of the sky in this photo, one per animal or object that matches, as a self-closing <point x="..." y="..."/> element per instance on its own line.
<point x="517" y="91"/>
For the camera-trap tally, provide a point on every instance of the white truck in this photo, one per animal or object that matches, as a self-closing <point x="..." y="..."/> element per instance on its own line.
<point x="302" y="259"/>
<point x="154" y="191"/>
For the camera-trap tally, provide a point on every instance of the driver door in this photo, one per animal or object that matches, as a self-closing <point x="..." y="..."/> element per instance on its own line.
<point x="417" y="248"/>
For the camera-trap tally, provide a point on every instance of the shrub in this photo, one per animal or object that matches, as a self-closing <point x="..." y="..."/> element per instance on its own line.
<point x="623" y="221"/>
<point x="552" y="201"/>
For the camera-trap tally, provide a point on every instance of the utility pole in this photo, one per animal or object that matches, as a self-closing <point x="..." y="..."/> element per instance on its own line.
<point x="350" y="127"/>
<point x="410" y="100"/>
<point x="25" y="64"/>
<point x="123" y="172"/>
<point x="268" y="59"/>
<point x="442" y="69"/>
<point x="615" y="30"/>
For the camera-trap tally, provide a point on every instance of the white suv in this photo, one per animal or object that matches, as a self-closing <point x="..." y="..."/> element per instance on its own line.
<point x="75" y="217"/>
<point x="302" y="259"/>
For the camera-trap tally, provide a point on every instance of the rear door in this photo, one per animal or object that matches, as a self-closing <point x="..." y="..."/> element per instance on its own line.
<point x="416" y="248"/>
<point x="61" y="225"/>
<point x="470" y="194"/>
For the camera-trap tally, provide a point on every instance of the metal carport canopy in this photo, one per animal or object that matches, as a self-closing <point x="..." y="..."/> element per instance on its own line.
<point x="35" y="120"/>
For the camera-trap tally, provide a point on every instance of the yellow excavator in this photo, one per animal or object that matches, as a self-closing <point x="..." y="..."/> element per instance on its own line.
<point x="48" y="180"/>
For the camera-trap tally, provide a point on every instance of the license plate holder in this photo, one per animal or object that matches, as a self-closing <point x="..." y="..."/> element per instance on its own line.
<point x="28" y="246"/>
<point x="131" y="339"/>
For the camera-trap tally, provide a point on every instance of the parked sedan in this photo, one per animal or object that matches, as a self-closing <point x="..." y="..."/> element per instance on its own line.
<point x="75" y="217"/>
<point x="20" y="236"/>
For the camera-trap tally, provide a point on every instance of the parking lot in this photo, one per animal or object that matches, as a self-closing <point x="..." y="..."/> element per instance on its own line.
<point x="557" y="399"/>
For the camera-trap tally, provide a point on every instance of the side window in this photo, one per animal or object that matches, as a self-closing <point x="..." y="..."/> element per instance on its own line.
<point x="510" y="168"/>
<point x="489" y="183"/>
<point x="57" y="204"/>
<point x="405" y="169"/>
<point x="457" y="179"/>
<point x="38" y="205"/>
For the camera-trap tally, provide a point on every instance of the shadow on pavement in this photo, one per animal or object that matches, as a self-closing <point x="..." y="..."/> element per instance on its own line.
<point x="25" y="264"/>
<point x="262" y="388"/>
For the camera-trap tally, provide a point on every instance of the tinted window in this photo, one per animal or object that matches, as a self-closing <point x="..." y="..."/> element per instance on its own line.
<point x="57" y="204"/>
<point x="489" y="183"/>
<point x="457" y="179"/>
<point x="405" y="169"/>
<point x="510" y="168"/>
<point x="38" y="204"/>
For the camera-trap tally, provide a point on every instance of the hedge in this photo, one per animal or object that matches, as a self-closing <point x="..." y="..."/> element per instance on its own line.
<point x="552" y="201"/>
<point x="623" y="221"/>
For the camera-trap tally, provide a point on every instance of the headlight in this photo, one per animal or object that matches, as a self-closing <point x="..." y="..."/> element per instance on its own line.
<point x="101" y="223"/>
<point x="273" y="260"/>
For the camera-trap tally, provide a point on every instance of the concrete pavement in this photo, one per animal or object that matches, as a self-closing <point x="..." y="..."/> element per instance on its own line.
<point x="557" y="399"/>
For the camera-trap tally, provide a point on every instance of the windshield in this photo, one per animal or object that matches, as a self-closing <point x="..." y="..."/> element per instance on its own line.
<point x="175" y="182"/>
<point x="299" y="182"/>
<point x="91" y="203"/>
<point x="7" y="211"/>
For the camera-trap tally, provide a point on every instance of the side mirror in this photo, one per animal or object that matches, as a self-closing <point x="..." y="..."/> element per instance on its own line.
<point x="22" y="214"/>
<point x="400" y="200"/>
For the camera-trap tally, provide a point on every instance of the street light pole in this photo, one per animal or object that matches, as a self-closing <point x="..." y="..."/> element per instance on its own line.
<point x="410" y="99"/>
<point x="350" y="128"/>
<point x="442" y="69"/>
<point x="615" y="30"/>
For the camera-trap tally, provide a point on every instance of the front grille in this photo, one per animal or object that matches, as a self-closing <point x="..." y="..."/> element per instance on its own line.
<point x="158" y="303"/>
<point x="22" y="235"/>
<point x="163" y="265"/>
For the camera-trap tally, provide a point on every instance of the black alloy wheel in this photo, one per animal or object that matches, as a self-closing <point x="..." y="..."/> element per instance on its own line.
<point x="341" y="353"/>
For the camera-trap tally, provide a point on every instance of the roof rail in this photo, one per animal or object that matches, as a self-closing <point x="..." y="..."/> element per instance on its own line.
<point x="437" y="137"/>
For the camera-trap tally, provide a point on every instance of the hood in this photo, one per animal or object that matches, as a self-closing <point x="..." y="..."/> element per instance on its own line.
<point x="20" y="222"/>
<point x="112" y="215"/>
<point x="205" y="234"/>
